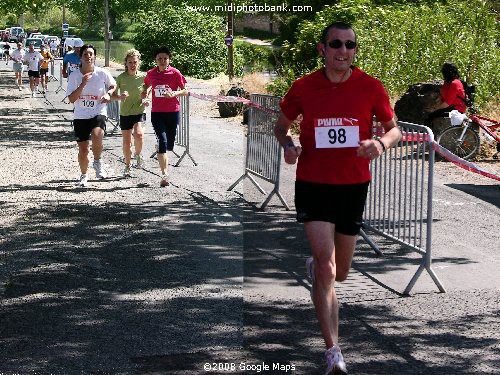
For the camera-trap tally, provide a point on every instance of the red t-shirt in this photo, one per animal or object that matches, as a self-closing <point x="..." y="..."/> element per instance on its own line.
<point x="336" y="116"/>
<point x="451" y="92"/>
<point x="161" y="81"/>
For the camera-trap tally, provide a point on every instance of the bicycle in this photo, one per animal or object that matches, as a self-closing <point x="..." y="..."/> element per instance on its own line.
<point x="463" y="139"/>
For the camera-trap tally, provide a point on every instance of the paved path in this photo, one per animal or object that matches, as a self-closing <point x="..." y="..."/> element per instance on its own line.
<point x="125" y="277"/>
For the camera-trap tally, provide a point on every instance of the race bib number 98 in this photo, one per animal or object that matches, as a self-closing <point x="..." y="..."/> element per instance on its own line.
<point x="336" y="133"/>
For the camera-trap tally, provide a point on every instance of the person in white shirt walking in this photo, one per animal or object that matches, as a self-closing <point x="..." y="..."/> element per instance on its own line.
<point x="90" y="89"/>
<point x="33" y="59"/>
<point x="17" y="57"/>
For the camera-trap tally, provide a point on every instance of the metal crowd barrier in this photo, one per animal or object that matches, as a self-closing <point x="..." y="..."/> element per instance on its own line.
<point x="114" y="114"/>
<point x="60" y="87"/>
<point x="263" y="152"/>
<point x="182" y="136"/>
<point x="52" y="76"/>
<point x="399" y="201"/>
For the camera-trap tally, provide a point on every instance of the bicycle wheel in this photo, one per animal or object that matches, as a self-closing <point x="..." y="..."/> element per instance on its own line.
<point x="467" y="148"/>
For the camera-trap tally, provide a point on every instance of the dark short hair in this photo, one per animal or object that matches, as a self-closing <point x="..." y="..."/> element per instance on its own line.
<point x="163" y="49"/>
<point x="336" y="25"/>
<point x="450" y="71"/>
<point x="87" y="46"/>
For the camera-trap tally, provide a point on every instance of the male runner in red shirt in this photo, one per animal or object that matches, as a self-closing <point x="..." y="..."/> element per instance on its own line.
<point x="337" y="104"/>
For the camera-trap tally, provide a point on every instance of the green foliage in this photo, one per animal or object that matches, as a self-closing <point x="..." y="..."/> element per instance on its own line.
<point x="255" y="58"/>
<point x="405" y="44"/>
<point x="117" y="51"/>
<point x="195" y="39"/>
<point x="257" y="34"/>
<point x="17" y="7"/>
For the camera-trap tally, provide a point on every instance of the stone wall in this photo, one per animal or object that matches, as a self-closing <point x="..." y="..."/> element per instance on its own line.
<point x="260" y="21"/>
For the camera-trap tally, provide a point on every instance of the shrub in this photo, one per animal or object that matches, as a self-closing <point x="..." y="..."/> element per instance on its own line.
<point x="195" y="39"/>
<point x="255" y="58"/>
<point x="405" y="44"/>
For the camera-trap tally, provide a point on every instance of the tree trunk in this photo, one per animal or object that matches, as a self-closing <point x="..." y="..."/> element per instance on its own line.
<point x="89" y="15"/>
<point x="106" y="33"/>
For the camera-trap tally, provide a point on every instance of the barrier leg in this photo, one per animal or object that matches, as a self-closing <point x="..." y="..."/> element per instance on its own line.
<point x="277" y="192"/>
<point x="114" y="128"/>
<point x="370" y="242"/>
<point x="251" y="179"/>
<point x="186" y="153"/>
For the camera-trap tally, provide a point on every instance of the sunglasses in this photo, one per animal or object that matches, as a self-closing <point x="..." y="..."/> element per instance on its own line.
<point x="337" y="43"/>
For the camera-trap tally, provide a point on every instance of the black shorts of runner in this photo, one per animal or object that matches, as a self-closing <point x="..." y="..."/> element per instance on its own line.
<point x="128" y="122"/>
<point x="165" y="126"/>
<point x="83" y="127"/>
<point x="342" y="205"/>
<point x="34" y="73"/>
<point x="43" y="71"/>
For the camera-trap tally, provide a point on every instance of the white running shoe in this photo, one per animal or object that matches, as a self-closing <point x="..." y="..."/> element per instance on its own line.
<point x="100" y="172"/>
<point x="139" y="162"/>
<point x="310" y="273"/>
<point x="164" y="181"/>
<point x="83" y="180"/>
<point x="335" y="364"/>
<point x="32" y="94"/>
<point x="126" y="171"/>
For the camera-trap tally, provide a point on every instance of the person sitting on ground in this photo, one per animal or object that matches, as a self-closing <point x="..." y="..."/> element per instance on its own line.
<point x="452" y="94"/>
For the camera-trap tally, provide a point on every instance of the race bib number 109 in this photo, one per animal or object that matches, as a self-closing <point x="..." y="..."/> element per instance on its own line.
<point x="336" y="132"/>
<point x="87" y="101"/>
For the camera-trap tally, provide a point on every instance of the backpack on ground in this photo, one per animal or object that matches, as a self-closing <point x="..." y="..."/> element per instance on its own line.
<point x="469" y="91"/>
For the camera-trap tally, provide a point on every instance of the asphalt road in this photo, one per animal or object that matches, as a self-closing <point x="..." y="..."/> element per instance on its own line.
<point x="125" y="277"/>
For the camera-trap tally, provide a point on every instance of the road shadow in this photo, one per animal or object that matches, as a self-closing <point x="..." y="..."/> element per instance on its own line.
<point x="487" y="193"/>
<point x="94" y="284"/>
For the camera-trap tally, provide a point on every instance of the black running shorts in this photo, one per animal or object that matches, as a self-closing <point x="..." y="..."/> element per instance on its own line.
<point x="342" y="205"/>
<point x="128" y="122"/>
<point x="34" y="73"/>
<point x="165" y="126"/>
<point x="83" y="127"/>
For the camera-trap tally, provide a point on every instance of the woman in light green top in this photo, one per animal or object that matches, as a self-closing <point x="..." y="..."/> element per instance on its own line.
<point x="129" y="86"/>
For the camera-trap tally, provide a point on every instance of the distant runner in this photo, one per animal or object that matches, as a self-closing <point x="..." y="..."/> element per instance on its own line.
<point x="34" y="60"/>
<point x="17" y="57"/>
<point x="6" y="50"/>
<point x="71" y="60"/>
<point x="44" y="68"/>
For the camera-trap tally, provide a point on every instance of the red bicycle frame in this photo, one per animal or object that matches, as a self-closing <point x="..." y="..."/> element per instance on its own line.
<point x="488" y="128"/>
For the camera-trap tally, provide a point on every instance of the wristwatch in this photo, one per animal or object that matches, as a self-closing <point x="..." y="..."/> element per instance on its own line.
<point x="382" y="143"/>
